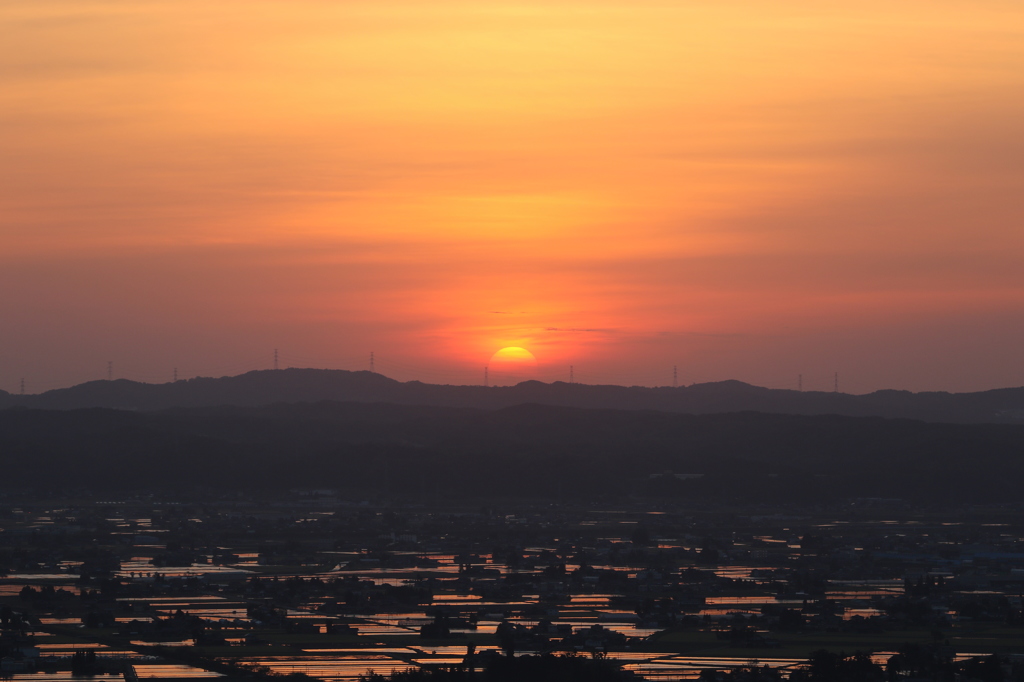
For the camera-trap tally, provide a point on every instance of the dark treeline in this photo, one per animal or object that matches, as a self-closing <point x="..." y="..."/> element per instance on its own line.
<point x="529" y="450"/>
<point x="310" y="385"/>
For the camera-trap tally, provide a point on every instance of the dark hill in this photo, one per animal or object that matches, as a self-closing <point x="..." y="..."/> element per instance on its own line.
<point x="528" y="450"/>
<point x="311" y="385"/>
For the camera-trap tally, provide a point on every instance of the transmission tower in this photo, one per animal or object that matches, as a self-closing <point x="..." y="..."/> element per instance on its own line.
<point x="572" y="378"/>
<point x="675" y="377"/>
<point x="372" y="367"/>
<point x="175" y="373"/>
<point x="836" y="388"/>
<point x="275" y="358"/>
<point x="486" y="379"/>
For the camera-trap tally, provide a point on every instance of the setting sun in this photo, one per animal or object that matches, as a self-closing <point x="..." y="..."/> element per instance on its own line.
<point x="513" y="356"/>
<point x="512" y="364"/>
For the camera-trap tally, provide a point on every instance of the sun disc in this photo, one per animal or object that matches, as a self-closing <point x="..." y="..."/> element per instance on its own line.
<point x="512" y="364"/>
<point x="513" y="355"/>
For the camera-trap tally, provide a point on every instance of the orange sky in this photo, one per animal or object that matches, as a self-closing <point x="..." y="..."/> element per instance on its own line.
<point x="743" y="189"/>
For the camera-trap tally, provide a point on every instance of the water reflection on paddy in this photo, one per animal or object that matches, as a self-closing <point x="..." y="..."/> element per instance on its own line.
<point x="231" y="614"/>
<point x="669" y="666"/>
<point x="377" y="630"/>
<point x="366" y="652"/>
<point x="60" y="621"/>
<point x="765" y="600"/>
<point x="481" y="628"/>
<point x="143" y="571"/>
<point x="627" y="629"/>
<point x="449" y="650"/>
<point x="347" y="667"/>
<point x="403" y="619"/>
<point x="456" y="598"/>
<point x="176" y="671"/>
<point x="863" y="613"/>
<point x="63" y="676"/>
<point x="171" y="601"/>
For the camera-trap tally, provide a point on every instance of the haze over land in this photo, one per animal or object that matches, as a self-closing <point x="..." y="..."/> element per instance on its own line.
<point x="528" y="451"/>
<point x="744" y="189"/>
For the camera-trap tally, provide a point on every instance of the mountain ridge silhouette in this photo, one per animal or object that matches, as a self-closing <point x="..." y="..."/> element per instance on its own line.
<point x="297" y="385"/>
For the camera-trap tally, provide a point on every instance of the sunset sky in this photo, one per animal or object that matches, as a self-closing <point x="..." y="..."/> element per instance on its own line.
<point x="744" y="189"/>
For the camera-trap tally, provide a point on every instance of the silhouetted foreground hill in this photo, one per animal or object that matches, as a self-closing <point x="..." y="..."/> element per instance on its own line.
<point x="309" y="385"/>
<point x="528" y="450"/>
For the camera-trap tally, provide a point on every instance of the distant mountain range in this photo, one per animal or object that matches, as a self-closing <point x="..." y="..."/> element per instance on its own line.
<point x="269" y="387"/>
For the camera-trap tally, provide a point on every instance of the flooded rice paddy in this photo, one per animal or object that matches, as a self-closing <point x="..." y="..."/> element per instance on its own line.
<point x="305" y="593"/>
